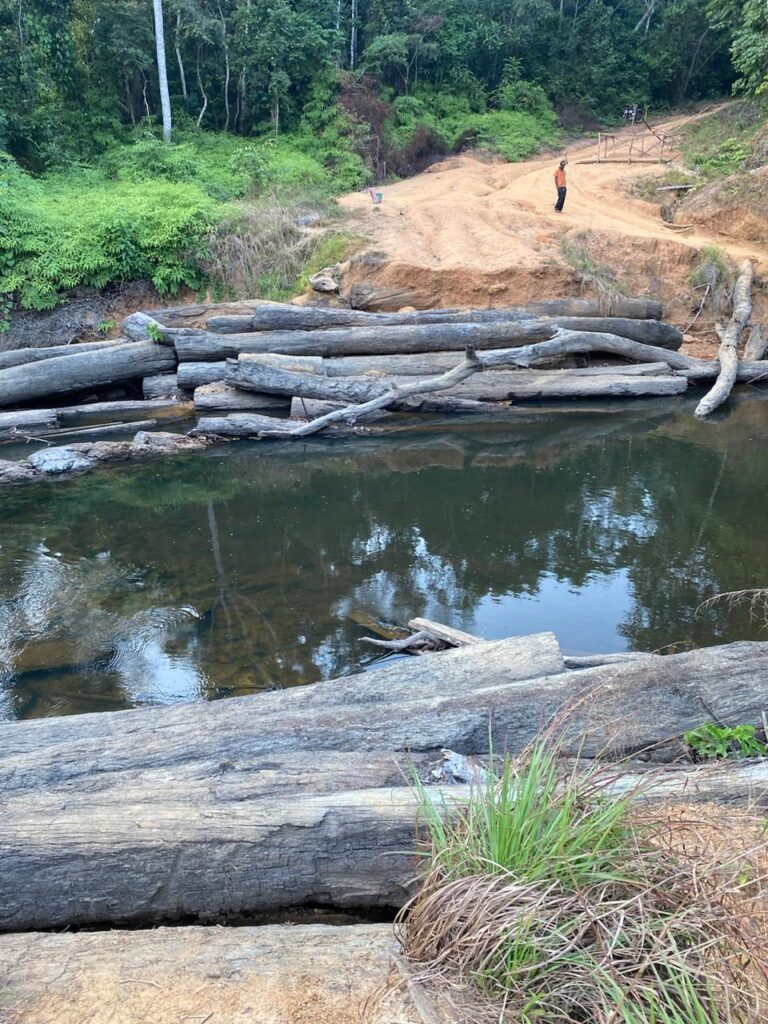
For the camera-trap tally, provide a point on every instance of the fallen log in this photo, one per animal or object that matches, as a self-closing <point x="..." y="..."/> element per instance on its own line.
<point x="728" y="353"/>
<point x="426" y="363"/>
<point x="206" y="974"/>
<point x="29" y="421"/>
<point x="65" y="374"/>
<point x="367" y="296"/>
<point x="757" y="343"/>
<point x="161" y="385"/>
<point x="307" y="318"/>
<point x="449" y="635"/>
<point x="220" y="397"/>
<point x="195" y="345"/>
<point x="298" y="796"/>
<point x="194" y="375"/>
<point x="21" y="356"/>
<point x="165" y="407"/>
<point x="499" y="386"/>
<point x="99" y="430"/>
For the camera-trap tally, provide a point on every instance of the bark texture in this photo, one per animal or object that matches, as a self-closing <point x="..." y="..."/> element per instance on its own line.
<point x="730" y="337"/>
<point x="20" y="356"/>
<point x="65" y="374"/>
<point x="298" y="796"/>
<point x="195" y="345"/>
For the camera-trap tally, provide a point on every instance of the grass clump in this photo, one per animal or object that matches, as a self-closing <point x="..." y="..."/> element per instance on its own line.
<point x="546" y="901"/>
<point x="265" y="249"/>
<point x="714" y="277"/>
<point x="599" y="277"/>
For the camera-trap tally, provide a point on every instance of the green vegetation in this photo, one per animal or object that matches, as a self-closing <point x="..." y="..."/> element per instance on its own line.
<point x="548" y="900"/>
<point x="592" y="274"/>
<point x="717" y="146"/>
<point x="717" y="741"/>
<point x="303" y="97"/>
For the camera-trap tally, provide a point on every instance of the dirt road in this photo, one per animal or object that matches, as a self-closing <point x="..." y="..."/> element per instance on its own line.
<point x="474" y="232"/>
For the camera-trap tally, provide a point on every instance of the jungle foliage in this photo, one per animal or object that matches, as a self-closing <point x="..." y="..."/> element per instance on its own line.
<point x="310" y="96"/>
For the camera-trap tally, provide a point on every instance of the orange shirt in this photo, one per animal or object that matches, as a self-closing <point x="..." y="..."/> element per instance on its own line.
<point x="560" y="177"/>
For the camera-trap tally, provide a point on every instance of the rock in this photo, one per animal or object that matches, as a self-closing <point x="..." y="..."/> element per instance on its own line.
<point x="137" y="327"/>
<point x="164" y="441"/>
<point x="325" y="280"/>
<point x="15" y="472"/>
<point x="63" y="459"/>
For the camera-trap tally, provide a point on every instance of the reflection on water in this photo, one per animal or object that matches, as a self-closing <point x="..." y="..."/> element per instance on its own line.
<point x="238" y="570"/>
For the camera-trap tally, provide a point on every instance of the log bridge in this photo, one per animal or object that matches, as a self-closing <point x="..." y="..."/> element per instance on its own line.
<point x="302" y="797"/>
<point x="272" y="370"/>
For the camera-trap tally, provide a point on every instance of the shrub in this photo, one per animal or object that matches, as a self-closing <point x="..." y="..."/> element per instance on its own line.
<point x="546" y="900"/>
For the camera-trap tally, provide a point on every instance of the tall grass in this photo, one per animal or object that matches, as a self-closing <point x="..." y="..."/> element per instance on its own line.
<point x="546" y="902"/>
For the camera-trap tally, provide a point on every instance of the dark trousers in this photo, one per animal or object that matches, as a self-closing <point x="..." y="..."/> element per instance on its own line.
<point x="560" y="198"/>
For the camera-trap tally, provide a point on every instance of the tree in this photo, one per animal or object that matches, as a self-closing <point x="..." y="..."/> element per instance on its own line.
<point x="162" y="71"/>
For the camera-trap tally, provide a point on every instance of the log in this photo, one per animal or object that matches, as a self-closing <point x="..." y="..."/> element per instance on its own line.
<point x="270" y="974"/>
<point x="449" y="635"/>
<point x="194" y="375"/>
<point x="21" y="356"/>
<point x="426" y="363"/>
<point x="220" y="397"/>
<point x="757" y="343"/>
<point x="100" y="430"/>
<point x="728" y="354"/>
<point x="499" y="386"/>
<point x="165" y="407"/>
<point x="195" y="345"/>
<point x="295" y="797"/>
<point x="30" y="421"/>
<point x="370" y="296"/>
<point x="161" y="385"/>
<point x="63" y="375"/>
<point x="308" y="318"/>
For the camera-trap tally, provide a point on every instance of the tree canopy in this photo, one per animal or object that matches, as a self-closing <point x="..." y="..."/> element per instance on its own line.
<point x="73" y="73"/>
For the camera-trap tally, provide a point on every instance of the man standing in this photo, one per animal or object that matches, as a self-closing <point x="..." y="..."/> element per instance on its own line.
<point x="560" y="186"/>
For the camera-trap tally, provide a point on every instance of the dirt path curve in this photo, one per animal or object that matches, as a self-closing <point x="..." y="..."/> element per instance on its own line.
<point x="473" y="231"/>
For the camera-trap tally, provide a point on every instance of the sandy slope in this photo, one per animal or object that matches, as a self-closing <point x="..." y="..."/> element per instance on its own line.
<point x="480" y="232"/>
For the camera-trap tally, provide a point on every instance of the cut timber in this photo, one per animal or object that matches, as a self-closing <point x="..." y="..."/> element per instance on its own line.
<point x="220" y="397"/>
<point x="32" y="421"/>
<point x="426" y="363"/>
<point x="454" y="637"/>
<point x="194" y="345"/>
<point x="165" y="407"/>
<point x="195" y="375"/>
<point x="20" y="356"/>
<point x="728" y="353"/>
<point x="307" y="318"/>
<point x="264" y="376"/>
<point x="65" y="374"/>
<point x="103" y="430"/>
<point x="161" y="385"/>
<point x="298" y="796"/>
<point x="370" y="296"/>
<point x="249" y="975"/>
<point x="757" y="343"/>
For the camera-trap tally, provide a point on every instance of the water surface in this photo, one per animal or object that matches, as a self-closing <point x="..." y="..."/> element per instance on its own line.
<point x="247" y="567"/>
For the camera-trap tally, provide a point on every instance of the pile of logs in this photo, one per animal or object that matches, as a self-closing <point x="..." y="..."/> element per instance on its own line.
<point x="303" y="796"/>
<point x="329" y="368"/>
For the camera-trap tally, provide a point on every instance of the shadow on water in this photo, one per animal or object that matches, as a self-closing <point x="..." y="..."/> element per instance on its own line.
<point x="238" y="569"/>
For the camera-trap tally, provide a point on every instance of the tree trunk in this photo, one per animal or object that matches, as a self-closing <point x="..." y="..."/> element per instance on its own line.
<point x="194" y="344"/>
<point x="728" y="354"/>
<point x="423" y="364"/>
<point x="60" y="376"/>
<point x="374" y="297"/>
<point x="20" y="356"/>
<point x="182" y="75"/>
<point x="296" y="797"/>
<point x="161" y="385"/>
<point x="757" y="344"/>
<point x="219" y="397"/>
<point x="496" y="386"/>
<point x="319" y="972"/>
<point x="162" y="71"/>
<point x="193" y="375"/>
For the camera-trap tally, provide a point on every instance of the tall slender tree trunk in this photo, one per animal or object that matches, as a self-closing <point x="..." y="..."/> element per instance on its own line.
<point x="226" y="66"/>
<point x="178" y="58"/>
<point x="202" y="89"/>
<point x="162" y="71"/>
<point x="353" y="36"/>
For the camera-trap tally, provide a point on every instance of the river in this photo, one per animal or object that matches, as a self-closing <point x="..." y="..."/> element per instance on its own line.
<point x="245" y="567"/>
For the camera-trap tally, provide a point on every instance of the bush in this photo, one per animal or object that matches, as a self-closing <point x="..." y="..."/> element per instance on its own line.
<point x="547" y="898"/>
<point x="74" y="229"/>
